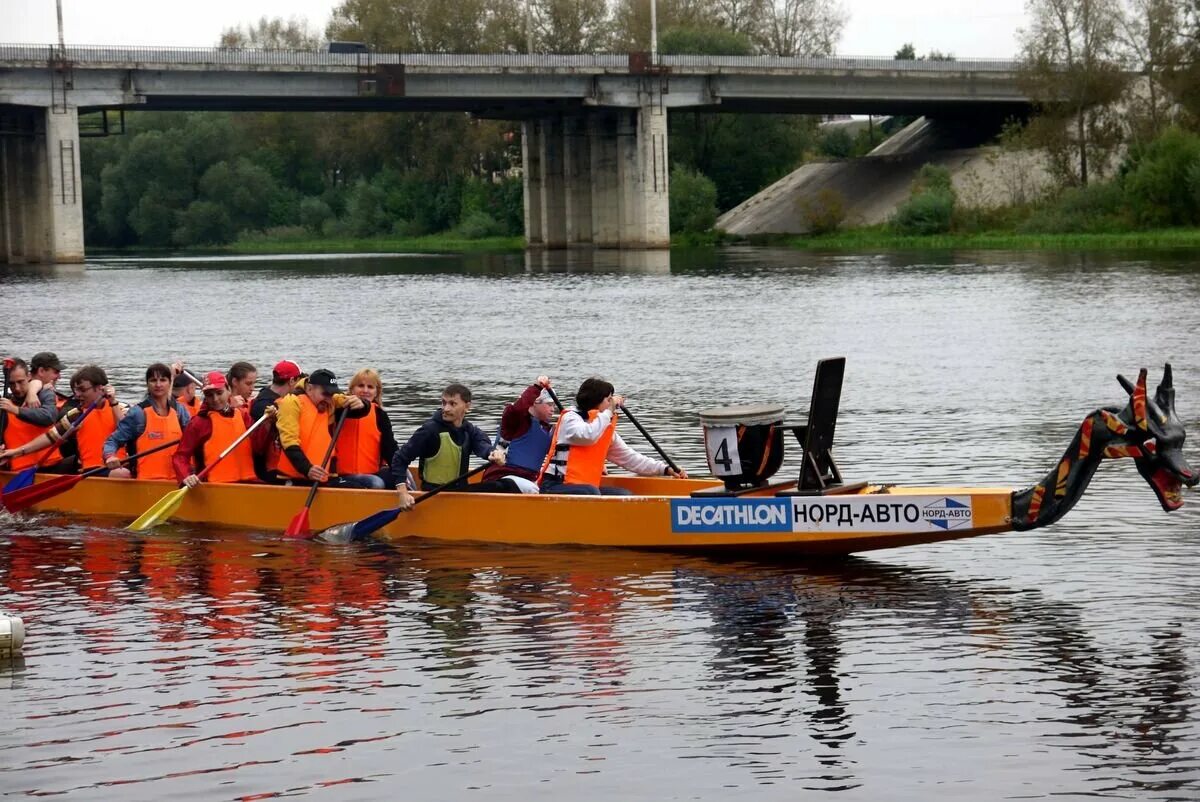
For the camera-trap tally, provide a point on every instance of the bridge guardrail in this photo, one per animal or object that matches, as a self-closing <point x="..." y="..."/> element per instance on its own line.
<point x="99" y="55"/>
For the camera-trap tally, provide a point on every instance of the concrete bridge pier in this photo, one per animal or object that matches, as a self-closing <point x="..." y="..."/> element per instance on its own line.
<point x="597" y="179"/>
<point x="41" y="204"/>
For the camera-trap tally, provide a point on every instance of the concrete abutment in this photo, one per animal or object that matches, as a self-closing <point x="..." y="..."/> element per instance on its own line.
<point x="41" y="204"/>
<point x="597" y="179"/>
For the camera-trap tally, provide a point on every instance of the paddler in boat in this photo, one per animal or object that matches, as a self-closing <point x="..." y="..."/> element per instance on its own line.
<point x="156" y="419"/>
<point x="285" y="377"/>
<point x="525" y="429"/>
<point x="584" y="438"/>
<point x="242" y="377"/>
<point x="304" y="424"/>
<point x="366" y="445"/>
<point x="85" y="450"/>
<point x="443" y="446"/>
<point x="27" y="412"/>
<point x="184" y="389"/>
<point x="214" y="428"/>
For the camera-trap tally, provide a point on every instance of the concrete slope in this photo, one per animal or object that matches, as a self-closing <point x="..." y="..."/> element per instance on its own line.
<point x="873" y="186"/>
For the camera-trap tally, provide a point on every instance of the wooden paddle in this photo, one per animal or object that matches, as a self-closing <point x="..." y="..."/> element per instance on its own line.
<point x="299" y="527"/>
<point x="166" y="506"/>
<point x="25" y="498"/>
<point x="356" y="530"/>
<point x="670" y="463"/>
<point x="25" y="477"/>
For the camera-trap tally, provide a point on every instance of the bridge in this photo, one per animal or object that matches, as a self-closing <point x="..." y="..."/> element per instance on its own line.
<point x="594" y="127"/>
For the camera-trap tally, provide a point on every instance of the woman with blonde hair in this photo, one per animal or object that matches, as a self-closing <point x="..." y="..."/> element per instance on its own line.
<point x="366" y="444"/>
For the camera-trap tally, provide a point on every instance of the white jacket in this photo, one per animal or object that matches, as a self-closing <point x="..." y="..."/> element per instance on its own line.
<point x="575" y="430"/>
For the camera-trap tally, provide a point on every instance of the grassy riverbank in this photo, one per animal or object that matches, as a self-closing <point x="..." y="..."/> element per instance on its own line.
<point x="881" y="238"/>
<point x="432" y="243"/>
<point x="877" y="238"/>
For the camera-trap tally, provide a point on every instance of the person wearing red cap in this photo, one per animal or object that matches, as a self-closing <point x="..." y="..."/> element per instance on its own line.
<point x="284" y="378"/>
<point x="214" y="428"/>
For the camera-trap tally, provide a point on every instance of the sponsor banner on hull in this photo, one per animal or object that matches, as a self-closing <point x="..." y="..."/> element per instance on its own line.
<point x="874" y="513"/>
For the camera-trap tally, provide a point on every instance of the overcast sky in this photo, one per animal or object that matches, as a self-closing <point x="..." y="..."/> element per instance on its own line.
<point x="875" y="27"/>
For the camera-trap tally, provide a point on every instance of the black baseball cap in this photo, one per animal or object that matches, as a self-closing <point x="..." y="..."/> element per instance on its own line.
<point x="181" y="381"/>
<point x="46" y="359"/>
<point x="325" y="380"/>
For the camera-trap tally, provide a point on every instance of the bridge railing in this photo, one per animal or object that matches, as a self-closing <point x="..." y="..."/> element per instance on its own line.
<point x="101" y="55"/>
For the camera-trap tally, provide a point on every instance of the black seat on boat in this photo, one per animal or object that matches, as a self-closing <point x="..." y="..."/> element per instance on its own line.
<point x="819" y="474"/>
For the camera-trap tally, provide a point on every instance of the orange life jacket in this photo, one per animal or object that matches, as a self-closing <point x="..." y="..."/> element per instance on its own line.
<point x="160" y="429"/>
<point x="239" y="465"/>
<point x="358" y="444"/>
<point x="91" y="434"/>
<point x="16" y="434"/>
<point x="193" y="406"/>
<point x="579" y="464"/>
<point x="315" y="437"/>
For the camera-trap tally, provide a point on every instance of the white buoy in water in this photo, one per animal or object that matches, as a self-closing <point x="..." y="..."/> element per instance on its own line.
<point x="12" y="635"/>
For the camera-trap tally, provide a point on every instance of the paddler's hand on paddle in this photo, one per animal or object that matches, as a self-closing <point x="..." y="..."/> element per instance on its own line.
<point x="406" y="501"/>
<point x="679" y="474"/>
<point x="176" y="368"/>
<point x="7" y="454"/>
<point x="8" y="406"/>
<point x="543" y="381"/>
<point x="192" y="481"/>
<point x="354" y="402"/>
<point x="318" y="474"/>
<point x="112" y="462"/>
<point x="271" y="411"/>
<point x="498" y="456"/>
<point x="110" y="393"/>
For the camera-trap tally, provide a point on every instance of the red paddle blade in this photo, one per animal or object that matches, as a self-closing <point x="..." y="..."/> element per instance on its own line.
<point x="26" y="497"/>
<point x="299" y="527"/>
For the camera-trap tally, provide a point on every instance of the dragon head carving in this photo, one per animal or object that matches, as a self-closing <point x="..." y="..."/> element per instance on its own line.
<point x="1146" y="430"/>
<point x="1154" y="430"/>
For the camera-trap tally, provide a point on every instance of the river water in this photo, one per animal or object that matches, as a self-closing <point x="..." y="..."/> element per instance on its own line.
<point x="202" y="663"/>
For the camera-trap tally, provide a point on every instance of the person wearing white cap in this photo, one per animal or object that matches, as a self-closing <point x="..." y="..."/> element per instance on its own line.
<point x="525" y="429"/>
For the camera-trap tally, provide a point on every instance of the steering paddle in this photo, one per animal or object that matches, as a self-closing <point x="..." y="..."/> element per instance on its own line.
<point x="299" y="527"/>
<point x="356" y="530"/>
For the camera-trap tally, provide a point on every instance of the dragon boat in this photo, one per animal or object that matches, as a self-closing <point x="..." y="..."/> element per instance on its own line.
<point x="739" y="510"/>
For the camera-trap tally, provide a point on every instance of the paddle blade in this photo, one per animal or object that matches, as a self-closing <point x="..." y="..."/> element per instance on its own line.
<point x="299" y="527"/>
<point x="20" y="481"/>
<point x="163" y="509"/>
<point x="26" y="497"/>
<point x="337" y="535"/>
<point x="373" y="523"/>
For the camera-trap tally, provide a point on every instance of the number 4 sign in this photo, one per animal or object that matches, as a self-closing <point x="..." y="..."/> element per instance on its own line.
<point x="721" y="446"/>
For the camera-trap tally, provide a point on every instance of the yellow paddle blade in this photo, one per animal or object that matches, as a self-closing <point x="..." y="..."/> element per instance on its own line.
<point x="163" y="509"/>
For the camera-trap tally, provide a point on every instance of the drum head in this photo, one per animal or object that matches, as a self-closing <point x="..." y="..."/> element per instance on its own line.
<point x="742" y="415"/>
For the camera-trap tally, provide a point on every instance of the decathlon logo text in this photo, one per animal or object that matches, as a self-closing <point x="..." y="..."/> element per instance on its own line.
<point x="730" y="515"/>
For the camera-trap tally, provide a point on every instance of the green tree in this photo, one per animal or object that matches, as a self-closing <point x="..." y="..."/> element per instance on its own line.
<point x="272" y="34"/>
<point x="693" y="200"/>
<point x="1071" y="68"/>
<point x="203" y="223"/>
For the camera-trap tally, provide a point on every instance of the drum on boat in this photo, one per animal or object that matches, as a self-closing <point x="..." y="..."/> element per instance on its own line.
<point x="744" y="443"/>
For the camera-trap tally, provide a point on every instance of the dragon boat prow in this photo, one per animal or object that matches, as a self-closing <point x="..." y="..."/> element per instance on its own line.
<point x="739" y="511"/>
